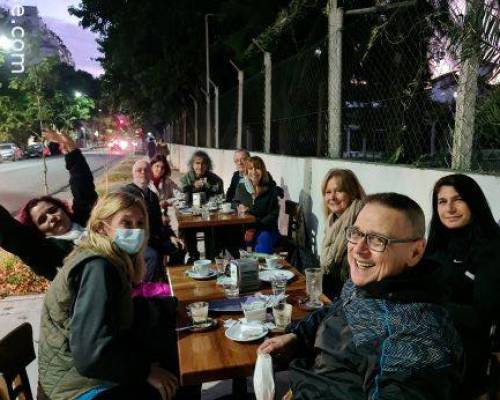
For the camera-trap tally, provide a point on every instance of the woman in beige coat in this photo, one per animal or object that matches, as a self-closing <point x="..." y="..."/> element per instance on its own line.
<point x="342" y="201"/>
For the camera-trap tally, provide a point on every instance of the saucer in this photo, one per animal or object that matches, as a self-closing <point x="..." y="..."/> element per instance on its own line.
<point x="227" y="212"/>
<point x="194" y="275"/>
<point x="238" y="332"/>
<point x="271" y="274"/>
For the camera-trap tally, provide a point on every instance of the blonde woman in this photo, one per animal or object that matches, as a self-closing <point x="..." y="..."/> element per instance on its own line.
<point x="342" y="201"/>
<point x="88" y="348"/>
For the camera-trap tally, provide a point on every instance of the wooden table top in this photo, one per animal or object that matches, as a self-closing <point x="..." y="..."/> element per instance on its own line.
<point x="209" y="356"/>
<point x="188" y="290"/>
<point x="216" y="219"/>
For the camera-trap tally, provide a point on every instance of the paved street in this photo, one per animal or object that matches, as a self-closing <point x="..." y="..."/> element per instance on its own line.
<point x="23" y="180"/>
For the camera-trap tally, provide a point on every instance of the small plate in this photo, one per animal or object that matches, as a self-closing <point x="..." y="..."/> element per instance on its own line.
<point x="198" y="277"/>
<point x="227" y="212"/>
<point x="269" y="275"/>
<point x="235" y="333"/>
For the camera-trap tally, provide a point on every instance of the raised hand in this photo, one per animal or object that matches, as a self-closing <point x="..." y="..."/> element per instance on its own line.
<point x="66" y="144"/>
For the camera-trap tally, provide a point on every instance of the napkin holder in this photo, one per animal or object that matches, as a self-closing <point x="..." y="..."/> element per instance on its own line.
<point x="198" y="199"/>
<point x="246" y="273"/>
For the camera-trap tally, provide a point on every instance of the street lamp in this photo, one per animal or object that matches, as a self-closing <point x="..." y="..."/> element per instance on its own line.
<point x="78" y="94"/>
<point x="207" y="52"/>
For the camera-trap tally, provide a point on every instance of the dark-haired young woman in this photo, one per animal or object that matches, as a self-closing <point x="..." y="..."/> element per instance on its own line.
<point x="465" y="238"/>
<point x="48" y="229"/>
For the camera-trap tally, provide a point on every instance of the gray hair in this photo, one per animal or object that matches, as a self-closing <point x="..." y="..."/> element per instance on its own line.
<point x="204" y="156"/>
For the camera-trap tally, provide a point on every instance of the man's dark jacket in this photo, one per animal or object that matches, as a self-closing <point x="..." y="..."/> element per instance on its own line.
<point x="386" y="340"/>
<point x="231" y="191"/>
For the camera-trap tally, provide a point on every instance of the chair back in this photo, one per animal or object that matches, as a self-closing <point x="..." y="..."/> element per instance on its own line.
<point x="292" y="210"/>
<point x="16" y="352"/>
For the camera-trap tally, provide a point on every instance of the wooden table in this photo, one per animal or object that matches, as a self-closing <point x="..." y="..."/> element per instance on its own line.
<point x="208" y="226"/>
<point x="209" y="356"/>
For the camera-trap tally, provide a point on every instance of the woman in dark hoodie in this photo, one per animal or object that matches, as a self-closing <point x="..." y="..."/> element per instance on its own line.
<point x="48" y="229"/>
<point x="264" y="234"/>
<point x="465" y="238"/>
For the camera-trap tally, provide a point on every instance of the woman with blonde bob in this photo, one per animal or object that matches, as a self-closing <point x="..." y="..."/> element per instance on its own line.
<point x="342" y="201"/>
<point x="88" y="346"/>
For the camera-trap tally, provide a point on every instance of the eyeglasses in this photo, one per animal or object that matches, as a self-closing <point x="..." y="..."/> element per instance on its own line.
<point x="374" y="241"/>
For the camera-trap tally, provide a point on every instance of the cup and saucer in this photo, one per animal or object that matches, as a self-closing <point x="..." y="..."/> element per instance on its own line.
<point x="201" y="270"/>
<point x="226" y="208"/>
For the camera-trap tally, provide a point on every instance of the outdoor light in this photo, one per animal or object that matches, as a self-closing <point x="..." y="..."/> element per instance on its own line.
<point x="5" y="43"/>
<point x="317" y="52"/>
<point x="78" y="94"/>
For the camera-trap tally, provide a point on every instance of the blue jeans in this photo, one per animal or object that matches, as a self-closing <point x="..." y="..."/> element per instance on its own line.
<point x="266" y="240"/>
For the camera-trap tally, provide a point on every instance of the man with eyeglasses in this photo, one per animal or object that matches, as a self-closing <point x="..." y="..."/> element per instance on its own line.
<point x="386" y="336"/>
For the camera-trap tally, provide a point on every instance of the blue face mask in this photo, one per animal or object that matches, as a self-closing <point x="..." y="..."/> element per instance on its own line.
<point x="129" y="240"/>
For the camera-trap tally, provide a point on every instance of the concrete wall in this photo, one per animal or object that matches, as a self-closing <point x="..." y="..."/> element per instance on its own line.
<point x="301" y="178"/>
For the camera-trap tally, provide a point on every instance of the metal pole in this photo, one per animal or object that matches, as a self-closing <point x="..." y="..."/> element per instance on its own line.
<point x="216" y="113"/>
<point x="209" y="128"/>
<point x="195" y="120"/>
<point x="335" y="20"/>
<point x="241" y="80"/>
<point x="268" y="66"/>
<point x="267" y="101"/>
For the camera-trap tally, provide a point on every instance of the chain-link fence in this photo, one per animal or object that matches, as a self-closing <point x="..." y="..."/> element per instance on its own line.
<point x="396" y="108"/>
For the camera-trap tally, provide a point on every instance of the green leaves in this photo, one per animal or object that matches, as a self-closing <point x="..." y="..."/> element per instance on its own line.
<point x="44" y="97"/>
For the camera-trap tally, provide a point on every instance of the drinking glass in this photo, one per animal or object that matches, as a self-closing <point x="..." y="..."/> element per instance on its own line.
<point x="279" y="285"/>
<point x="220" y="266"/>
<point x="314" y="287"/>
<point x="282" y="314"/>
<point x="205" y="212"/>
<point x="199" y="312"/>
<point x="231" y="290"/>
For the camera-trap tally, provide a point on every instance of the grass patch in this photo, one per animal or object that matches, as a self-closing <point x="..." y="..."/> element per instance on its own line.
<point x="17" y="279"/>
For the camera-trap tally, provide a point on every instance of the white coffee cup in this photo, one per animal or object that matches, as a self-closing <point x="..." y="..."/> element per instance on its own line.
<point x="226" y="207"/>
<point x="200" y="267"/>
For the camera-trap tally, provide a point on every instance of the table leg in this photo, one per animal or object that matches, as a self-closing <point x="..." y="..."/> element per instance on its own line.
<point x="240" y="389"/>
<point x="210" y="243"/>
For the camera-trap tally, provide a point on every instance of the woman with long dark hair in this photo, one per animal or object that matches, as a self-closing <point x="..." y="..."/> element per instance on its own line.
<point x="48" y="229"/>
<point x="465" y="238"/>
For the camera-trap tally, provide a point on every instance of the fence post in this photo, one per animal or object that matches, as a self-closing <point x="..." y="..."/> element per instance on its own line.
<point x="195" y="120"/>
<point x="463" y="136"/>
<point x="335" y="21"/>
<point x="216" y="113"/>
<point x="241" y="80"/>
<point x="267" y="101"/>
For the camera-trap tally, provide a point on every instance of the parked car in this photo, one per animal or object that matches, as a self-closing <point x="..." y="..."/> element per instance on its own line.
<point x="34" y="150"/>
<point x="9" y="151"/>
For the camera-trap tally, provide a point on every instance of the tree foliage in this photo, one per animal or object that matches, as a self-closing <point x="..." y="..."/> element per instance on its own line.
<point x="44" y="97"/>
